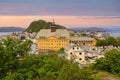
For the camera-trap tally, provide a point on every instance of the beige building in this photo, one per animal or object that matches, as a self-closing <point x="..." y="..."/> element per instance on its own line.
<point x="88" y="41"/>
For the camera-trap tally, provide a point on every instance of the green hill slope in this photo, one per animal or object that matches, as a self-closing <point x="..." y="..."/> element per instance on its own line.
<point x="35" y="26"/>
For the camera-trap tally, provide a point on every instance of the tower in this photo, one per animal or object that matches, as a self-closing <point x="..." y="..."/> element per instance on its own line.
<point x="53" y="27"/>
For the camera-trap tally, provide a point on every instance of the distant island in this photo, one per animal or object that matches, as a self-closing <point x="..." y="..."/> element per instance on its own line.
<point x="36" y="26"/>
<point x="95" y="29"/>
<point x="11" y="29"/>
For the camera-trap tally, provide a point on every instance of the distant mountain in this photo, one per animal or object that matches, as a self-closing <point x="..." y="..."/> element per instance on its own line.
<point x="113" y="28"/>
<point x="96" y="29"/>
<point x="89" y="29"/>
<point x="11" y="29"/>
<point x="35" y="26"/>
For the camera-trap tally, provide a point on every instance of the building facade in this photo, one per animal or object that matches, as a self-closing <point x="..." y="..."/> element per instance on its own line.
<point x="52" y="39"/>
<point x="84" y="55"/>
<point x="83" y="41"/>
<point x="76" y="53"/>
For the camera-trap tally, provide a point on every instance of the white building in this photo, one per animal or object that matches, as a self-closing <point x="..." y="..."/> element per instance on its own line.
<point x="33" y="49"/>
<point x="83" y="54"/>
<point x="75" y="53"/>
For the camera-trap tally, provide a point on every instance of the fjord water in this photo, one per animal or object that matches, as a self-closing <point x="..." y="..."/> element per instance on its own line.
<point x="112" y="33"/>
<point x="115" y="33"/>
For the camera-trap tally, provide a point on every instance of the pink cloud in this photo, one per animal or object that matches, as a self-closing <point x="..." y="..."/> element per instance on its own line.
<point x="68" y="21"/>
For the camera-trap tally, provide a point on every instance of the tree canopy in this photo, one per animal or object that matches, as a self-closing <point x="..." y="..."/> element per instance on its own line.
<point x="108" y="41"/>
<point x="110" y="63"/>
<point x="47" y="67"/>
<point x="9" y="50"/>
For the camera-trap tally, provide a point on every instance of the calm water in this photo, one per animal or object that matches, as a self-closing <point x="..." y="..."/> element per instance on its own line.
<point x="6" y="33"/>
<point x="115" y="33"/>
<point x="112" y="33"/>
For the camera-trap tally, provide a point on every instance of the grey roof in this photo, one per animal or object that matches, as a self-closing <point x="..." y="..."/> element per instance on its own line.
<point x="68" y="47"/>
<point x="88" y="49"/>
<point x="107" y="48"/>
<point x="81" y="38"/>
<point x="58" y="33"/>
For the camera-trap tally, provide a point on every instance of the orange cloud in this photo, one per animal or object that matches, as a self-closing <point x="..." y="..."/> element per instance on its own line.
<point x="68" y="21"/>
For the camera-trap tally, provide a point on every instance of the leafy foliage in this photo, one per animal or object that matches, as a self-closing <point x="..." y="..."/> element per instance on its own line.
<point x="60" y="51"/>
<point x="109" y="41"/>
<point x="9" y="49"/>
<point x="110" y="63"/>
<point x="48" y="67"/>
<point x="36" y="67"/>
<point x="35" y="26"/>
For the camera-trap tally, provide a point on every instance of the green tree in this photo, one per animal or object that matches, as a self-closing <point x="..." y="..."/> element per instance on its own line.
<point x="9" y="49"/>
<point x="110" y="63"/>
<point x="118" y="41"/>
<point x="108" y="41"/>
<point x="35" y="67"/>
<point x="101" y="42"/>
<point x="111" y="41"/>
<point x="47" y="67"/>
<point x="61" y="50"/>
<point x="71" y="71"/>
<point x="72" y="34"/>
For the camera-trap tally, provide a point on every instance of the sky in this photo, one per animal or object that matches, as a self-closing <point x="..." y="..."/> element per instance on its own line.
<point x="70" y="13"/>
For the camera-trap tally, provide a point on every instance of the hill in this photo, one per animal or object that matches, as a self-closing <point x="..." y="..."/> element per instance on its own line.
<point x="35" y="26"/>
<point x="11" y="29"/>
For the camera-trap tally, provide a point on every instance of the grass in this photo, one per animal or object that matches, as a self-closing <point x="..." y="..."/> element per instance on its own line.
<point x="101" y="74"/>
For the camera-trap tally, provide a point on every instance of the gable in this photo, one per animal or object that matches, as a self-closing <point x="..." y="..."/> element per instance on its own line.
<point x="52" y="38"/>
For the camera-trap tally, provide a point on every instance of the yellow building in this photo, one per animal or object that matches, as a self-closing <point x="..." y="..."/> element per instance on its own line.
<point x="88" y="41"/>
<point x="52" y="39"/>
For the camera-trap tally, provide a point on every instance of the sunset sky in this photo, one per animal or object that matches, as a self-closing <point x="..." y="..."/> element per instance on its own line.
<point x="70" y="13"/>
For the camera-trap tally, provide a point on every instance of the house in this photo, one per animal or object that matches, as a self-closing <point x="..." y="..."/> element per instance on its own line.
<point x="88" y="41"/>
<point x="83" y="54"/>
<point x="75" y="53"/>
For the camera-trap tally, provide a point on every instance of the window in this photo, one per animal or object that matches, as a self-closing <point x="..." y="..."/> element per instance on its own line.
<point x="80" y="59"/>
<point x="80" y="53"/>
<point x="83" y="43"/>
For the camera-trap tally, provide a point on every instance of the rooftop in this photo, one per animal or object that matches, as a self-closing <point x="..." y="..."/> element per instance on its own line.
<point x="58" y="33"/>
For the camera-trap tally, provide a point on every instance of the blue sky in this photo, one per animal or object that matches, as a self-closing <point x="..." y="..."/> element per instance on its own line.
<point x="60" y="7"/>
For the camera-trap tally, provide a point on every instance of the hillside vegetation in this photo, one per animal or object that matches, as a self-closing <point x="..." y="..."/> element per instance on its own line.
<point x="35" y="26"/>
